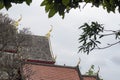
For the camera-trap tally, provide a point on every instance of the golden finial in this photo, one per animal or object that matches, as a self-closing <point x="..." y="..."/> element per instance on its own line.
<point x="79" y="62"/>
<point x="55" y="57"/>
<point x="16" y="23"/>
<point x="48" y="34"/>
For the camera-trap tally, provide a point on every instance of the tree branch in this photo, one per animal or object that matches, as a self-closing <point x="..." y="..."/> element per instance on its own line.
<point x="110" y="45"/>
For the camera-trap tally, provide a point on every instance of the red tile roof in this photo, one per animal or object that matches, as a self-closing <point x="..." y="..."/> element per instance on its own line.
<point x="51" y="72"/>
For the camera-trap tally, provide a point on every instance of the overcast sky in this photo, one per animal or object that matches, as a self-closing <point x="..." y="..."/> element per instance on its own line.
<point x="65" y="34"/>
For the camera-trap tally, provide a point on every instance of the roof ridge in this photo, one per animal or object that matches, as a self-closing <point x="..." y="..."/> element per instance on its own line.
<point x="50" y="65"/>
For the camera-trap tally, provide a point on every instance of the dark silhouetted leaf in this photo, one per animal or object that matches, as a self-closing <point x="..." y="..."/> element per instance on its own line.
<point x="28" y="2"/>
<point x="65" y="2"/>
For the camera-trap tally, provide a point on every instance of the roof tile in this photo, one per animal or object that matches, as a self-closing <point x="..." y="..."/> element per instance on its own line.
<point x="43" y="72"/>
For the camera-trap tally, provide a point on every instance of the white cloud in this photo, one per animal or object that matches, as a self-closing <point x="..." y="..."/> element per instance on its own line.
<point x="116" y="60"/>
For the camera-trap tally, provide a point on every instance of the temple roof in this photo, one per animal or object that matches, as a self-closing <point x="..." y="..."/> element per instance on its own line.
<point x="35" y="48"/>
<point x="38" y="71"/>
<point x="38" y="48"/>
<point x="50" y="72"/>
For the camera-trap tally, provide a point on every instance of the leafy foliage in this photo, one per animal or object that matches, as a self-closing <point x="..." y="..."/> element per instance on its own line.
<point x="54" y="6"/>
<point x="60" y="6"/>
<point x="8" y="64"/>
<point x="91" y="34"/>
<point x="10" y="48"/>
<point x="8" y="3"/>
<point x="91" y="72"/>
<point x="63" y="6"/>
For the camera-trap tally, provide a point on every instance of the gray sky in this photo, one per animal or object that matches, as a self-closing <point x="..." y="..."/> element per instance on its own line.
<point x="65" y="34"/>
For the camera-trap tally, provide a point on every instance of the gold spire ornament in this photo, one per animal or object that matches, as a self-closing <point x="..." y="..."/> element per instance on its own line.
<point x="16" y="23"/>
<point x="79" y="62"/>
<point x="48" y="34"/>
<point x="55" y="57"/>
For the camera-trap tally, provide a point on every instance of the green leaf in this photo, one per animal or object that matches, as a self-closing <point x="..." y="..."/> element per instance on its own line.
<point x="52" y="12"/>
<point x="92" y="66"/>
<point x="65" y="2"/>
<point x="61" y="10"/>
<point x="101" y="36"/>
<point x="1" y="5"/>
<point x="98" y="42"/>
<point x="28" y="2"/>
<point x="43" y="3"/>
<point x="7" y="4"/>
<point x="47" y="7"/>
